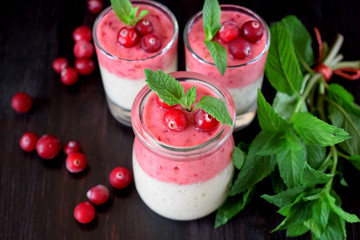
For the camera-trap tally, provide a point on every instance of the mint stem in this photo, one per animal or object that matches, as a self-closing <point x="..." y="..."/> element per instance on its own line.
<point x="334" y="49"/>
<point x="307" y="90"/>
<point x="333" y="169"/>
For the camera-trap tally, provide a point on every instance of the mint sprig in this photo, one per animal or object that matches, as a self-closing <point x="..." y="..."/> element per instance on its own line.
<point x="211" y="22"/>
<point x="172" y="93"/>
<point x="311" y="128"/>
<point x="126" y="12"/>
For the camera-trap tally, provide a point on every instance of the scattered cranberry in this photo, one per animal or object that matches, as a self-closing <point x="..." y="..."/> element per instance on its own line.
<point x="128" y="37"/>
<point x="175" y="120"/>
<point x="120" y="177"/>
<point x="76" y="162"/>
<point x="98" y="195"/>
<point x="28" y="141"/>
<point x="205" y="121"/>
<point x="162" y="104"/>
<point x="69" y="76"/>
<point x="252" y="31"/>
<point x="240" y="49"/>
<point x="83" y="49"/>
<point x="82" y="33"/>
<point x="48" y="146"/>
<point x="72" y="147"/>
<point x="95" y="6"/>
<point x="21" y="102"/>
<point x="228" y="32"/>
<point x="60" y="64"/>
<point x="150" y="43"/>
<point x="84" y="212"/>
<point x="144" y="26"/>
<point x="84" y="66"/>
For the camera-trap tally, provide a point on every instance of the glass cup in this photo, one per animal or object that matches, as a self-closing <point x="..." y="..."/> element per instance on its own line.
<point x="182" y="183"/>
<point x="122" y="69"/>
<point x="242" y="78"/>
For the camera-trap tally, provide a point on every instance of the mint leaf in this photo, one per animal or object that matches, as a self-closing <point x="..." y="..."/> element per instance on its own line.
<point x="218" y="54"/>
<point x="343" y="98"/>
<point x="311" y="177"/>
<point x="282" y="68"/>
<point x="355" y="160"/>
<point x="238" y="158"/>
<point x="126" y="12"/>
<point x="284" y="105"/>
<point x="314" y="131"/>
<point x="216" y="108"/>
<point x="189" y="98"/>
<point x="339" y="211"/>
<point x="166" y="87"/>
<point x="315" y="155"/>
<point x="211" y="18"/>
<point x="284" y="198"/>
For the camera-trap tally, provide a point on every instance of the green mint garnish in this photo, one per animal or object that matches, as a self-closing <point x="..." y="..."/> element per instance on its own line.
<point x="126" y="12"/>
<point x="211" y="20"/>
<point x="172" y="93"/>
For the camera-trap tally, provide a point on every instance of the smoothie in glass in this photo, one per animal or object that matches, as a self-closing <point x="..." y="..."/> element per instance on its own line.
<point x="181" y="175"/>
<point x="122" y="68"/>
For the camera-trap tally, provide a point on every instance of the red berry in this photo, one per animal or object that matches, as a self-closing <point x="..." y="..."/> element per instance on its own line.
<point x="120" y="177"/>
<point x="144" y="26"/>
<point x="28" y="141"/>
<point x="83" y="49"/>
<point x="205" y="121"/>
<point x="21" y="102"/>
<point x="48" y="146"/>
<point x="98" y="195"/>
<point x="128" y="37"/>
<point x="252" y="31"/>
<point x="69" y="76"/>
<point x="84" y="212"/>
<point x="82" y="33"/>
<point x="95" y="6"/>
<point x="228" y="32"/>
<point x="162" y="104"/>
<point x="240" y="49"/>
<point x="84" y="66"/>
<point x="150" y="43"/>
<point x="72" y="147"/>
<point x="175" y="120"/>
<point x="59" y="64"/>
<point x="76" y="162"/>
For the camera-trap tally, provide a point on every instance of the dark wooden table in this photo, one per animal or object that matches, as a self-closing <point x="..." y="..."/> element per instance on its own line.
<point x="37" y="197"/>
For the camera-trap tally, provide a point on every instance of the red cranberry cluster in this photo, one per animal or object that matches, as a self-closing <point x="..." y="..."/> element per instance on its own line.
<point x="240" y="39"/>
<point x="144" y="32"/>
<point x="176" y="120"/>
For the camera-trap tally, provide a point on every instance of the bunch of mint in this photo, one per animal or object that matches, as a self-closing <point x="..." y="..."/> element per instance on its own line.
<point x="307" y="132"/>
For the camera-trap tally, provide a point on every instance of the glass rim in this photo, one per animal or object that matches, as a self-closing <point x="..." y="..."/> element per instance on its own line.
<point x="151" y="3"/>
<point x="198" y="15"/>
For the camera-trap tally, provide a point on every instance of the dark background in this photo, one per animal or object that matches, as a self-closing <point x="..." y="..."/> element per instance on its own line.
<point x="37" y="197"/>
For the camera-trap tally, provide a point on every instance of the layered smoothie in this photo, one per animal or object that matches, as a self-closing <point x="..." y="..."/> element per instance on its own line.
<point x="122" y="68"/>
<point x="242" y="77"/>
<point x="181" y="175"/>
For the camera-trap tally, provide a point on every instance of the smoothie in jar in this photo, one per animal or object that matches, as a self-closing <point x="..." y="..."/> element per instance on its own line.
<point x="182" y="175"/>
<point x="122" y="66"/>
<point x="244" y="74"/>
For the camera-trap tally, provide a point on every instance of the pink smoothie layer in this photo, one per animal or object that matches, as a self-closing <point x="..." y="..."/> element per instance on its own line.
<point x="235" y="76"/>
<point x="134" y="59"/>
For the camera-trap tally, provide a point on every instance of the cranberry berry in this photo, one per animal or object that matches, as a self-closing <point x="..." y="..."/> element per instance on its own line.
<point x="144" y="27"/>
<point x="120" y="177"/>
<point x="84" y="66"/>
<point x="175" y="120"/>
<point x="28" y="141"/>
<point x="72" y="147"/>
<point x="205" y="121"/>
<point x="48" y="146"/>
<point x="84" y="212"/>
<point x="98" y="195"/>
<point x="95" y="6"/>
<point x="82" y="33"/>
<point x="21" y="102"/>
<point x="240" y="49"/>
<point x="127" y="36"/>
<point x="162" y="104"/>
<point x="60" y="64"/>
<point x="69" y="76"/>
<point x="83" y="49"/>
<point x="228" y="32"/>
<point x="76" y="162"/>
<point x="252" y="31"/>
<point x="151" y="43"/>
